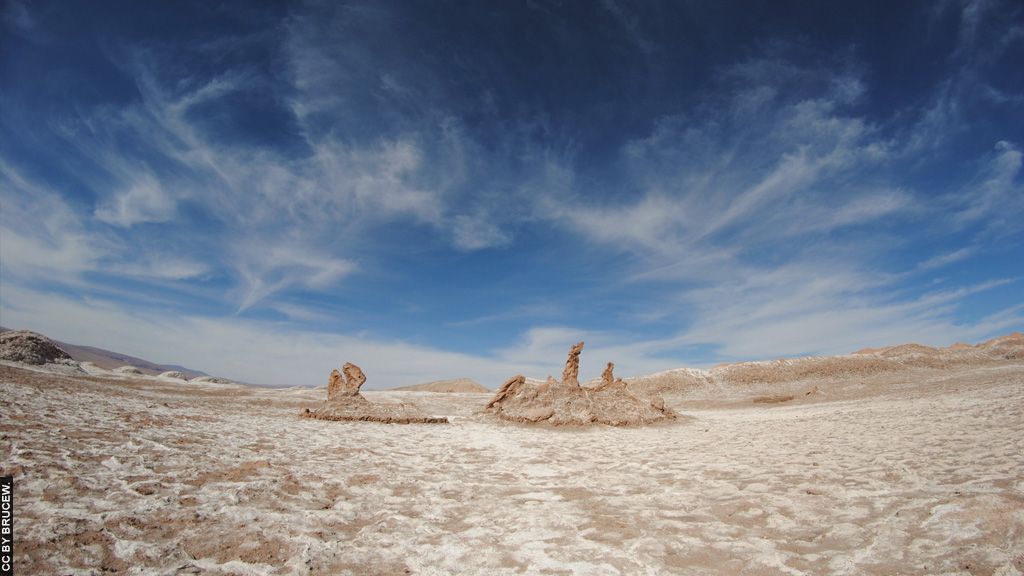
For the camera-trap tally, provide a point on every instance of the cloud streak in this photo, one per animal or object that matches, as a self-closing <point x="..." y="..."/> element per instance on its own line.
<point x="347" y="171"/>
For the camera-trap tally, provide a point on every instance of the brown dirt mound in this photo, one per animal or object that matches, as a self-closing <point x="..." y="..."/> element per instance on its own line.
<point x="1010" y="347"/>
<point x="566" y="403"/>
<point x="863" y="363"/>
<point x="461" y="385"/>
<point x="872" y="350"/>
<point x="681" y="380"/>
<point x="957" y="345"/>
<point x="1016" y="336"/>
<point x="794" y="369"/>
<point x="359" y="409"/>
<point x="345" y="403"/>
<point x="32" y="348"/>
<point x="915" y="355"/>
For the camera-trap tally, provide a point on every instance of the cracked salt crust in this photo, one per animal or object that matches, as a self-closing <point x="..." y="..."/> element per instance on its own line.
<point x="914" y="473"/>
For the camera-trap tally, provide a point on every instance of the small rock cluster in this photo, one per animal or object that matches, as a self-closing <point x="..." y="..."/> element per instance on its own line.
<point x="174" y="374"/>
<point x="567" y="403"/>
<point x="344" y="402"/>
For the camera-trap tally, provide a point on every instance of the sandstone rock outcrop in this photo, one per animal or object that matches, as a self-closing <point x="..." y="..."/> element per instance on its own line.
<point x="567" y="403"/>
<point x="572" y="366"/>
<point x="347" y="386"/>
<point x="507" y="390"/>
<point x="608" y="379"/>
<point x="344" y="402"/>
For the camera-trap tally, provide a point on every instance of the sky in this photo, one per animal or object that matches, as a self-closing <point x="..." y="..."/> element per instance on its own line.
<point x="434" y="190"/>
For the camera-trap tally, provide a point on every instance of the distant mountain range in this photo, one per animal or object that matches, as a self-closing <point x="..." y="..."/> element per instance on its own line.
<point x="111" y="360"/>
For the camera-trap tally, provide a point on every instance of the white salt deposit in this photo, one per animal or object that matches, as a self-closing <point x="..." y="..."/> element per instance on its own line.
<point x="913" y="473"/>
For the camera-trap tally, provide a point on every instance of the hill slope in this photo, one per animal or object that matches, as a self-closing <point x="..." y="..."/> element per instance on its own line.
<point x="861" y="364"/>
<point x="111" y="360"/>
<point x="458" y="385"/>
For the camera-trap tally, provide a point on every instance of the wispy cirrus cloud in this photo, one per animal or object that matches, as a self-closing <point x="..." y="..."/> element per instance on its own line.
<point x="144" y="201"/>
<point x="643" y="178"/>
<point x="165" y="153"/>
<point x="42" y="237"/>
<point x="996" y="194"/>
<point x="797" y="230"/>
<point x="267" y="269"/>
<point x="789" y="174"/>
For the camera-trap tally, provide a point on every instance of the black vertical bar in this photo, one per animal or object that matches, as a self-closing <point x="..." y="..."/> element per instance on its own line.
<point x="6" y="525"/>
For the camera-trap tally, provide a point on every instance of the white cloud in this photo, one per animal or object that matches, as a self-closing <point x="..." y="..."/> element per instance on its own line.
<point x="780" y="232"/>
<point x="998" y="193"/>
<point x="323" y="203"/>
<point x="372" y="185"/>
<point x="143" y="201"/>
<point x="474" y="233"/>
<point x="940" y="260"/>
<point x="755" y="168"/>
<point x="49" y="253"/>
<point x="542" y="346"/>
<point x="163" y="267"/>
<point x="271" y="268"/>
<point x="765" y="212"/>
<point x="248" y="350"/>
<point x="798" y="310"/>
<point x="655" y="223"/>
<point x="41" y="236"/>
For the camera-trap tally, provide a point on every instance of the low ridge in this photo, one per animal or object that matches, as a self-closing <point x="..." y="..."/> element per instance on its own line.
<point x="460" y="385"/>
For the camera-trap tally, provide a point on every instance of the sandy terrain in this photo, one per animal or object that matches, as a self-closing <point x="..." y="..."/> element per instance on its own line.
<point x="917" y="472"/>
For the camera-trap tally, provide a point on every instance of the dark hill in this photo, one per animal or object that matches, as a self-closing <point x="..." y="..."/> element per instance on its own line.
<point x="111" y="360"/>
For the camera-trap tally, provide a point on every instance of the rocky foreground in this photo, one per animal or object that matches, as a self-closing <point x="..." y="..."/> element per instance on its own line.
<point x="773" y="468"/>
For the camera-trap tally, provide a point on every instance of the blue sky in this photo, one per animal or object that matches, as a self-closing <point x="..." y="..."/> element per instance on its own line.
<point x="437" y="190"/>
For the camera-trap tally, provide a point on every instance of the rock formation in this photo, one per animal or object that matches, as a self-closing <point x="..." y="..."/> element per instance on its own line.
<point x="608" y="379"/>
<point x="339" y="387"/>
<point x="507" y="390"/>
<point x="344" y="402"/>
<point x="572" y="366"/>
<point x="32" y="348"/>
<point x="566" y="402"/>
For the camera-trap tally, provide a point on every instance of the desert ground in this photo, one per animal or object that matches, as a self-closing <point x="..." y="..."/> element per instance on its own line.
<point x="919" y="471"/>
